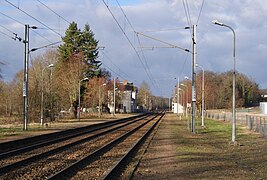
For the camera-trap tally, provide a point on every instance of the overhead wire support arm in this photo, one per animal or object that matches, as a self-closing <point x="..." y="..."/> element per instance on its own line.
<point x="169" y="44"/>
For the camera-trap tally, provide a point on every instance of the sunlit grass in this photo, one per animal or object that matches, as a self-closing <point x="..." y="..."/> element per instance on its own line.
<point x="211" y="154"/>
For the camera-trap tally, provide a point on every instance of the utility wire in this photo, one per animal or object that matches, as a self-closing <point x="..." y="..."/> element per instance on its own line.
<point x="112" y="70"/>
<point x="144" y="57"/>
<point x="203" y="1"/>
<point x="169" y="44"/>
<point x="107" y="57"/>
<point x="7" y="35"/>
<point x="22" y="25"/>
<point x="162" y="30"/>
<point x="127" y="39"/>
<point x="53" y="11"/>
<point x="150" y="74"/>
<point x="12" y="18"/>
<point x="34" y="49"/>
<point x="32" y="17"/>
<point x="187" y="6"/>
<point x="187" y="14"/>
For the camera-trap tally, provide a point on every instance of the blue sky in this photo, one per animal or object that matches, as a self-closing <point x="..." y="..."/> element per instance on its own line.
<point x="162" y="19"/>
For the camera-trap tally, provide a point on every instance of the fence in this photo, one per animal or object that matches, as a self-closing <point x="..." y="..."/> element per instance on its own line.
<point x="253" y="122"/>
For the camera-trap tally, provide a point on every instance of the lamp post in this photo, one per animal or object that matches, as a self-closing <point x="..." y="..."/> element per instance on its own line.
<point x="234" y="111"/>
<point x="114" y="96"/>
<point x="203" y="105"/>
<point x="188" y="120"/>
<point x="79" y="103"/>
<point x="182" y="101"/>
<point x="42" y="95"/>
<point x="178" y="82"/>
<point x="186" y="98"/>
<point x="99" y="102"/>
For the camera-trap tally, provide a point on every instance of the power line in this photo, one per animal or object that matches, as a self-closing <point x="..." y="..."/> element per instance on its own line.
<point x="139" y="58"/>
<point x="22" y="25"/>
<point x="33" y="17"/>
<point x="125" y="15"/>
<point x="7" y="35"/>
<point x="203" y="1"/>
<point x="169" y="44"/>
<point x="53" y="11"/>
<point x="162" y="30"/>
<point x="12" y="18"/>
<point x="113" y="71"/>
<point x="150" y="74"/>
<point x="187" y="13"/>
<point x="114" y="64"/>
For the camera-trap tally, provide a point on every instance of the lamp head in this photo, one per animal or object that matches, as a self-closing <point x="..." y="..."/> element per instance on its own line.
<point x="50" y="65"/>
<point x="217" y="22"/>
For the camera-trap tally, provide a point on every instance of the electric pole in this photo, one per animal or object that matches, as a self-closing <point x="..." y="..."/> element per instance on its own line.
<point x="194" y="80"/>
<point x="25" y="82"/>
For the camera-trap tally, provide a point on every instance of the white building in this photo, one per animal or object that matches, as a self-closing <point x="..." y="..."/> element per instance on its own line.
<point x="180" y="109"/>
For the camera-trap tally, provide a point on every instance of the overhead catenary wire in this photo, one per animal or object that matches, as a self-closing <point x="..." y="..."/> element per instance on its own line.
<point x="54" y="11"/>
<point x="150" y="74"/>
<point x="7" y="35"/>
<point x="169" y="44"/>
<point x="139" y="58"/>
<point x="108" y="58"/>
<point x="200" y="11"/>
<point x="23" y="25"/>
<point x="163" y="30"/>
<point x="113" y="71"/>
<point x="32" y="17"/>
<point x="188" y="17"/>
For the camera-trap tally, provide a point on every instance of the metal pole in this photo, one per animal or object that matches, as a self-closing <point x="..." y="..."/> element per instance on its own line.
<point x="99" y="101"/>
<point x="25" y="83"/>
<point x="42" y="94"/>
<point x="114" y="94"/>
<point x="203" y="97"/>
<point x="79" y="103"/>
<point x="42" y="99"/>
<point x="234" y="79"/>
<point x="194" y="80"/>
<point x="178" y="82"/>
<point x="203" y="105"/>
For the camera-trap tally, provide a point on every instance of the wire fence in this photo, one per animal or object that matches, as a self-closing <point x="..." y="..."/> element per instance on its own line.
<point x="253" y="122"/>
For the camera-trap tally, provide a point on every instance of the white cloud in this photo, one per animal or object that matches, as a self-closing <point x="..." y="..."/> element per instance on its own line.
<point x="214" y="43"/>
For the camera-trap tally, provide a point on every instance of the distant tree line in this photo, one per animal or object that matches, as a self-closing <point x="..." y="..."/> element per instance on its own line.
<point x="218" y="90"/>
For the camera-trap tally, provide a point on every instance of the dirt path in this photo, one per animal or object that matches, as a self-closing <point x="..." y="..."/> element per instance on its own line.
<point x="175" y="153"/>
<point x="160" y="160"/>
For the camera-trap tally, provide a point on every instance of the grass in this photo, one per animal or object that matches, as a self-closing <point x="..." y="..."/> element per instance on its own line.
<point x="210" y="154"/>
<point x="17" y="130"/>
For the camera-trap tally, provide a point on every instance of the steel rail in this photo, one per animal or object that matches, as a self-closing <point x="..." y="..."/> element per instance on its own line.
<point x="71" y="170"/>
<point x="119" y="167"/>
<point x="69" y="135"/>
<point x="10" y="167"/>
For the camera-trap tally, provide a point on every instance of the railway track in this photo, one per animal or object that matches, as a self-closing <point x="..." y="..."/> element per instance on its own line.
<point x="69" y="157"/>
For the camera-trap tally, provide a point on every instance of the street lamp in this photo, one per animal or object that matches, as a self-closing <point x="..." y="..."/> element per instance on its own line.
<point x="178" y="82"/>
<point x="188" y="78"/>
<point x="186" y="98"/>
<point x="188" y="121"/>
<point x="42" y="95"/>
<point x="182" y="101"/>
<point x="203" y="106"/>
<point x="99" y="102"/>
<point x="234" y="118"/>
<point x="79" y="105"/>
